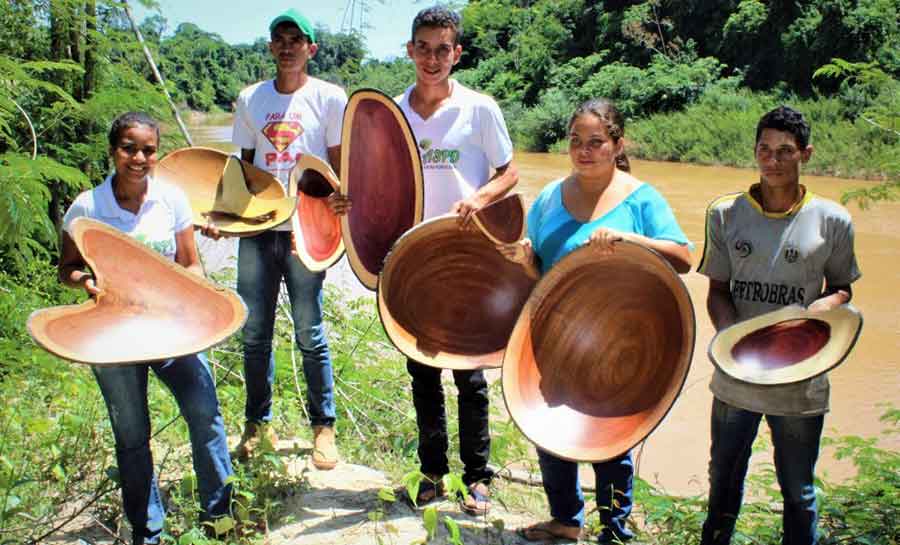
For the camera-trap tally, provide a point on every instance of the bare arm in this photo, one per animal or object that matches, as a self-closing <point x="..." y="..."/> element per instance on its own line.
<point x="186" y="253"/>
<point x="720" y="305"/>
<point x="504" y="179"/>
<point x="832" y="296"/>
<point x="676" y="254"/>
<point x="334" y="157"/>
<point x="72" y="269"/>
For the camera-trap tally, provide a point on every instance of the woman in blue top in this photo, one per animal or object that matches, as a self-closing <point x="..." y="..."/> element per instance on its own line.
<point x="600" y="204"/>
<point x="159" y="216"/>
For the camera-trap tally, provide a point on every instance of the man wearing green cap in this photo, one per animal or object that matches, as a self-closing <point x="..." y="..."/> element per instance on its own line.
<point x="275" y="123"/>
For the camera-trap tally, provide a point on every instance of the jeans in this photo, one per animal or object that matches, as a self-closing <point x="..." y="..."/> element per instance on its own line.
<point x="796" y="443"/>
<point x="614" y="493"/>
<point x="125" y="392"/>
<point x="474" y="436"/>
<point x="263" y="261"/>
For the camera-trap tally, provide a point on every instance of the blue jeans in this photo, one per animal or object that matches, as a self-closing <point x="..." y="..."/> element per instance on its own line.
<point x="614" y="493"/>
<point x="263" y="261"/>
<point x="125" y="392"/>
<point x="796" y="443"/>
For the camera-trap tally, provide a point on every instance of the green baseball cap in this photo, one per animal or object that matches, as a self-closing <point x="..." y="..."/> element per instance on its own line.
<point x="294" y="16"/>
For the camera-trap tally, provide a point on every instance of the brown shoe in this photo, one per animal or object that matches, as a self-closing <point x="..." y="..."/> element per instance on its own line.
<point x="257" y="437"/>
<point x="325" y="454"/>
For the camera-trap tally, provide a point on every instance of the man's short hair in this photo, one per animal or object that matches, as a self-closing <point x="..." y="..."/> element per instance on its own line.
<point x="438" y="17"/>
<point x="786" y="119"/>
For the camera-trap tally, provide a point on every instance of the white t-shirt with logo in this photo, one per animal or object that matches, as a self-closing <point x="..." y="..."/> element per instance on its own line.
<point x="164" y="212"/>
<point x="459" y="145"/>
<point x="283" y="127"/>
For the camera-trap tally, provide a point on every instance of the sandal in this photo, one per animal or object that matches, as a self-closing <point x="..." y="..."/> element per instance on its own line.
<point x="430" y="489"/>
<point x="477" y="502"/>
<point x="551" y="530"/>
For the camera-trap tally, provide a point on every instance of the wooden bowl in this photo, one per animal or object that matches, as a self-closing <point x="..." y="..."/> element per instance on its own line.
<point x="317" y="230"/>
<point x="150" y="308"/>
<point x="599" y="353"/>
<point x="785" y="346"/>
<point x="235" y="196"/>
<point x="447" y="298"/>
<point x="381" y="172"/>
<point x="502" y="221"/>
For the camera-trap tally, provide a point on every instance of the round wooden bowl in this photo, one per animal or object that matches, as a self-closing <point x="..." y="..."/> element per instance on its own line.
<point x="599" y="353"/>
<point x="447" y="298"/>
<point x="150" y="308"/>
<point x="231" y="194"/>
<point x="788" y="345"/>
<point x="317" y="230"/>
<point x="381" y="172"/>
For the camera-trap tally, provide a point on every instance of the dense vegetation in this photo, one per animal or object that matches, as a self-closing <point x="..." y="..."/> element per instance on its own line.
<point x="692" y="77"/>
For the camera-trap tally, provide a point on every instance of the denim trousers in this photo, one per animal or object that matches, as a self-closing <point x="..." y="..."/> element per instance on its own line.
<point x="431" y="417"/>
<point x="125" y="391"/>
<point x="614" y="493"/>
<point x="796" y="443"/>
<point x="263" y="261"/>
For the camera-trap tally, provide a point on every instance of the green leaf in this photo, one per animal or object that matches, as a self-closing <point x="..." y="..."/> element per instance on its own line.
<point x="430" y="519"/>
<point x="387" y="495"/>
<point x="453" y="528"/>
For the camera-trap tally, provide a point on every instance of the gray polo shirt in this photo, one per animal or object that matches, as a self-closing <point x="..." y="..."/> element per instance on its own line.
<point x="772" y="260"/>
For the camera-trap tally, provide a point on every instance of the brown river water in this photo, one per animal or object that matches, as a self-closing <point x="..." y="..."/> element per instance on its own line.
<point x="675" y="456"/>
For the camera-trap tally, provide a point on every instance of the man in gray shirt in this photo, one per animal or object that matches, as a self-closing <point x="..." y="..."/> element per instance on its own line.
<point x="775" y="245"/>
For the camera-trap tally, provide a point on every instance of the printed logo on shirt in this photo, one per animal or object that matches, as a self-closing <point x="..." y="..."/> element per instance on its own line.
<point x="791" y="254"/>
<point x="282" y="133"/>
<point x="436" y="157"/>
<point x="743" y="248"/>
<point x="163" y="247"/>
<point x="766" y="292"/>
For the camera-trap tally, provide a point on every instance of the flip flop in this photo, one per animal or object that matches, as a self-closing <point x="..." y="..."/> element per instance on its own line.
<point x="478" y="500"/>
<point x="542" y="532"/>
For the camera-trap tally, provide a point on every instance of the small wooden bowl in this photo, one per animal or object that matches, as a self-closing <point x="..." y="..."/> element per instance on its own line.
<point x="785" y="346"/>
<point x="382" y="173"/>
<point x="231" y="194"/>
<point x="150" y="308"/>
<point x="502" y="221"/>
<point x="317" y="230"/>
<point x="447" y="298"/>
<point x="599" y="353"/>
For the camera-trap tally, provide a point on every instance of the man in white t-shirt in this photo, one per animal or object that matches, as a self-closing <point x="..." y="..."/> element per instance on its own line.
<point x="462" y="138"/>
<point x="275" y="123"/>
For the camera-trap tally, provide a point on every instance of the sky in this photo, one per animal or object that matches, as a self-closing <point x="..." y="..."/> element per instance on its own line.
<point x="243" y="22"/>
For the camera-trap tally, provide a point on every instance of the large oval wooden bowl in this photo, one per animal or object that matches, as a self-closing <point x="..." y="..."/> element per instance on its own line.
<point x="381" y="172"/>
<point x="317" y="230"/>
<point x="257" y="205"/>
<point x="448" y="298"/>
<point x="150" y="308"/>
<point x="599" y="353"/>
<point x="787" y="345"/>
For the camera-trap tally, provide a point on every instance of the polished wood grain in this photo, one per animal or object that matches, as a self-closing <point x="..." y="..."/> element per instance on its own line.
<point x="150" y="308"/>
<point x="502" y="221"/>
<point x="788" y="345"/>
<point x="381" y="172"/>
<point x="782" y="344"/>
<point x="599" y="353"/>
<point x="447" y="298"/>
<point x="317" y="230"/>
<point x="234" y="195"/>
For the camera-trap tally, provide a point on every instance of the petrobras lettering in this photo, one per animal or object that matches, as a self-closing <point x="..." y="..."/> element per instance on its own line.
<point x="766" y="292"/>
